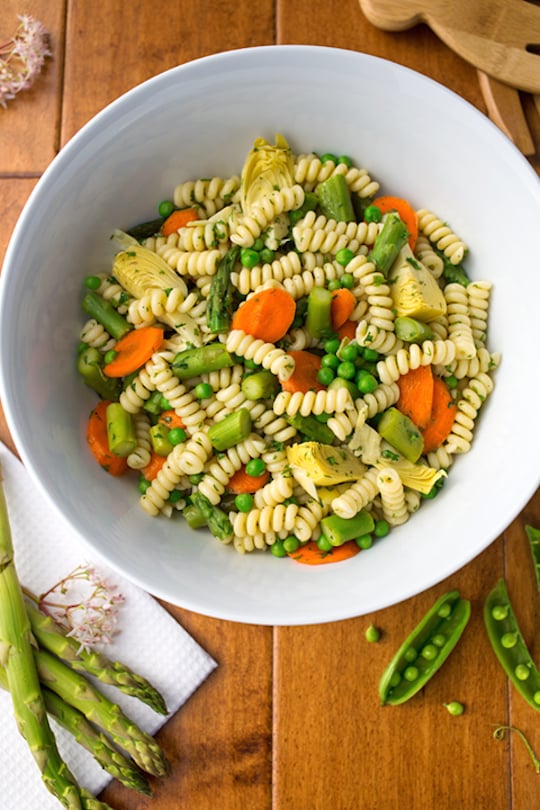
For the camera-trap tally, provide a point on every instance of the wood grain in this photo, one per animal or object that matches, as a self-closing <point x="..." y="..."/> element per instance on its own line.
<point x="290" y="719"/>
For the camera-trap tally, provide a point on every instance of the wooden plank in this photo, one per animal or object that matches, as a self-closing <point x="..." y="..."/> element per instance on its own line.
<point x="333" y="740"/>
<point x="220" y="742"/>
<point x="29" y="125"/>
<point x="143" y="39"/>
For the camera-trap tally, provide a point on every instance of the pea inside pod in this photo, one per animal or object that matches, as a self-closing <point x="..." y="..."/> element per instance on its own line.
<point x="509" y="646"/>
<point x="425" y="649"/>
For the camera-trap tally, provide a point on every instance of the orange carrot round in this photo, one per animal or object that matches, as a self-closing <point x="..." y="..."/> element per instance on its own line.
<point x="341" y="307"/>
<point x="96" y="436"/>
<point x="347" y="330"/>
<point x="443" y="413"/>
<point x="241" y="482"/>
<point x="416" y="395"/>
<point x="267" y="315"/>
<point x="178" y="219"/>
<point x="170" y="419"/>
<point x="311" y="554"/>
<point x="404" y="209"/>
<point x="304" y="377"/>
<point x="133" y="350"/>
<point x="154" y="466"/>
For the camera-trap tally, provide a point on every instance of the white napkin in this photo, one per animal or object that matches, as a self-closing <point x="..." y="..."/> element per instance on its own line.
<point x="149" y="640"/>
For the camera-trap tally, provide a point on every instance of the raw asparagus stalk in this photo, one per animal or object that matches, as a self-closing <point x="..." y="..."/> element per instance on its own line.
<point x="16" y="656"/>
<point x="104" y="312"/>
<point x="335" y="199"/>
<point x="231" y="430"/>
<point x="120" y="430"/>
<point x="76" y="690"/>
<point x="220" y="298"/>
<point x="389" y="242"/>
<point x="110" y="759"/>
<point x="51" y="636"/>
<point x="192" y="362"/>
<point x="217" y="520"/>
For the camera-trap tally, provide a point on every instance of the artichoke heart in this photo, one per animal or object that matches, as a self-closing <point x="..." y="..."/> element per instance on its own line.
<point x="314" y="464"/>
<point x="266" y="169"/>
<point x="415" y="292"/>
<point x="140" y="270"/>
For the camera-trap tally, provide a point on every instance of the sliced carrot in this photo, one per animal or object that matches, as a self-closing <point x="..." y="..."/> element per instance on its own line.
<point x="341" y="307"/>
<point x="133" y="350"/>
<point x="96" y="436"/>
<point x="311" y="554"/>
<point x="171" y="419"/>
<point x="347" y="330"/>
<point x="178" y="219"/>
<point x="242" y="482"/>
<point x="304" y="377"/>
<point x="405" y="210"/>
<point x="154" y="466"/>
<point x="416" y="395"/>
<point x="267" y="315"/>
<point x="443" y="413"/>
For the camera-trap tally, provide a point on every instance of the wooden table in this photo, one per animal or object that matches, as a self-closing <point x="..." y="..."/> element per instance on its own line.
<point x="291" y="719"/>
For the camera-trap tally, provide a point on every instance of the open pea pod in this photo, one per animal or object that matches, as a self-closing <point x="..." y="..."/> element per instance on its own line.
<point x="509" y="646"/>
<point x="424" y="651"/>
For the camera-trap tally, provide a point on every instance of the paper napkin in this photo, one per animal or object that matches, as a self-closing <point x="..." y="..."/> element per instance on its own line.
<point x="149" y="640"/>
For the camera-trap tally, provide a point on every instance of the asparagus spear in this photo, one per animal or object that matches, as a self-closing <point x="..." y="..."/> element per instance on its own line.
<point x="110" y="759"/>
<point x="220" y="299"/>
<point x="388" y="243"/>
<point x="98" y="709"/>
<point x="217" y="520"/>
<point x="16" y="655"/>
<point x="51" y="636"/>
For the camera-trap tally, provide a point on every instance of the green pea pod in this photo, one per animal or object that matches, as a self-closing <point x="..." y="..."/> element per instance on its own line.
<point x="508" y="645"/>
<point x="425" y="649"/>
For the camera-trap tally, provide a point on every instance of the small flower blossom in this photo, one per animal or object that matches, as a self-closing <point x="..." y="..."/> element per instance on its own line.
<point x="22" y="58"/>
<point x="84" y="605"/>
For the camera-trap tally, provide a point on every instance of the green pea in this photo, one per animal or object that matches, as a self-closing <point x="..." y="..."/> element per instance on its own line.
<point x="522" y="672"/>
<point x="143" y="484"/>
<point x="331" y="346"/>
<point x="164" y="404"/>
<point x="249" y="257"/>
<point x="364" y="542"/>
<point x="371" y="355"/>
<point x="372" y="214"/>
<point x="509" y="640"/>
<point x="444" y="611"/>
<point x="347" y="280"/>
<point x="536" y="698"/>
<point x="328" y="156"/>
<point x="439" y="640"/>
<point x="325" y="375"/>
<point x="82" y="347"/>
<point x="410" y="655"/>
<point x="455" y="708"/>
<point x="499" y="612"/>
<point x="176" y="436"/>
<point x="255" y="467"/>
<point x="334" y="284"/>
<point x="267" y="256"/>
<point x="346" y="160"/>
<point x="165" y="208"/>
<point x="381" y="528"/>
<point x="366" y="382"/>
<point x="291" y="544"/>
<point x="429" y="652"/>
<point x="175" y="496"/>
<point x="372" y="634"/>
<point x="92" y="282"/>
<point x="346" y="370"/>
<point x="203" y="390"/>
<point x="451" y="381"/>
<point x="110" y="355"/>
<point x="258" y="244"/>
<point x="195" y="478"/>
<point x="324" y="543"/>
<point x="322" y="417"/>
<point x="410" y="673"/>
<point x="248" y="363"/>
<point x="395" y="680"/>
<point x="343" y="257"/>
<point x="278" y="549"/>
<point x="244" y="502"/>
<point x="349" y="352"/>
<point x="330" y="361"/>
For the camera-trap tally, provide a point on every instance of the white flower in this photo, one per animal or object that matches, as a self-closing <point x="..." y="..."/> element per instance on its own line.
<point x="22" y="58"/>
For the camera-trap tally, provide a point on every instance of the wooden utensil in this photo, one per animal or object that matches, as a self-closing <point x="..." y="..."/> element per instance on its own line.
<point x="499" y="37"/>
<point x="505" y="109"/>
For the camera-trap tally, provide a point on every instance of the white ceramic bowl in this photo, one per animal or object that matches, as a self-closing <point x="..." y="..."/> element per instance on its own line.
<point x="419" y="140"/>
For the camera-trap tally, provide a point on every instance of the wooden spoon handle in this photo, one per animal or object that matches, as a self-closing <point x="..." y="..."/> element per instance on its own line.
<point x="505" y="109"/>
<point x="394" y="15"/>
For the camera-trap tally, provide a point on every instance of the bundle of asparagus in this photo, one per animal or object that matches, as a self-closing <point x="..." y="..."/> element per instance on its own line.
<point x="45" y="672"/>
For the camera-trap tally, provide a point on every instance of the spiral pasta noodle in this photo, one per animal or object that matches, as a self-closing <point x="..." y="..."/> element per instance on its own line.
<point x="319" y="234"/>
<point x="140" y="456"/>
<point x="248" y="227"/>
<point x="478" y="293"/>
<point x="425" y="253"/>
<point x="264" y="354"/>
<point x="276" y="491"/>
<point x="459" y="323"/>
<point x="468" y="405"/>
<point x="441" y="235"/>
<point x="394" y="505"/>
<point x="358" y="495"/>
<point x="220" y="469"/>
<point x="180" y="399"/>
<point x="316" y="402"/>
<point x="438" y="352"/>
<point x="206" y="235"/>
<point x="211" y="195"/>
<point x="95" y="335"/>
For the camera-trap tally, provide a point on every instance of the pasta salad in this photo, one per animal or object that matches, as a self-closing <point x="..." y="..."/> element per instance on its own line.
<point x="288" y="357"/>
